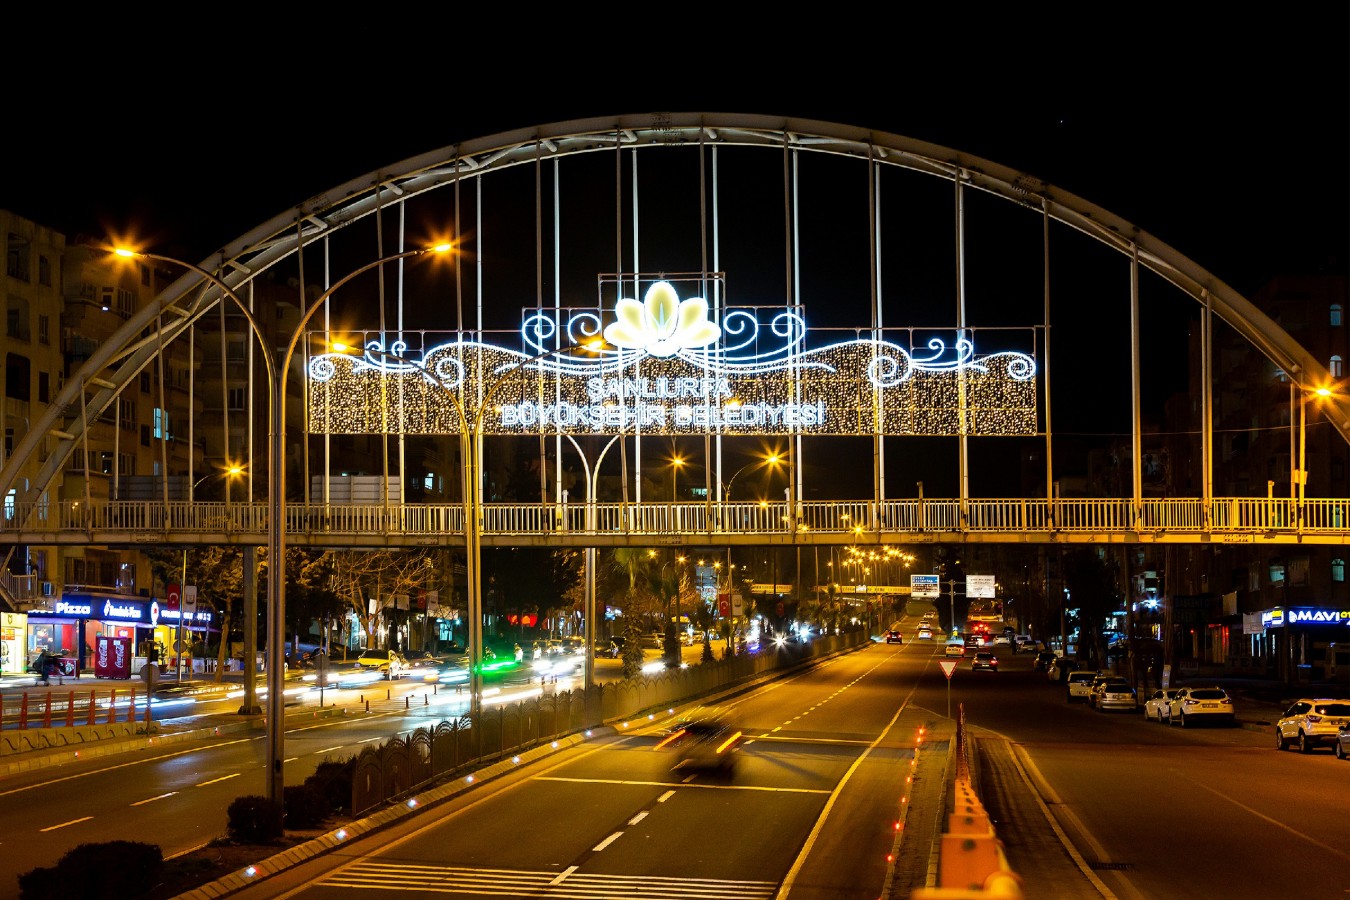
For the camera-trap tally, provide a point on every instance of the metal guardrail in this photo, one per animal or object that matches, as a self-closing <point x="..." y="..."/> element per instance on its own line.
<point x="971" y="862"/>
<point x="1235" y="519"/>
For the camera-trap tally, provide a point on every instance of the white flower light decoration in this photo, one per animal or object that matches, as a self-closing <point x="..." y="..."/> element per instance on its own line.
<point x="662" y="324"/>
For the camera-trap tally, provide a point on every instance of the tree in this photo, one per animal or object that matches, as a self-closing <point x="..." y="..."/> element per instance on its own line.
<point x="1093" y="592"/>
<point x="217" y="572"/>
<point x="632" y="648"/>
<point x="357" y="575"/>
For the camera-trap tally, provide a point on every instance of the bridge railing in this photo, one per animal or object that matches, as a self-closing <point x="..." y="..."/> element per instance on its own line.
<point x="30" y="522"/>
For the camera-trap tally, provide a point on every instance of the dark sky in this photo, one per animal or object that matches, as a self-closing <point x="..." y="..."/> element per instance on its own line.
<point x="1226" y="139"/>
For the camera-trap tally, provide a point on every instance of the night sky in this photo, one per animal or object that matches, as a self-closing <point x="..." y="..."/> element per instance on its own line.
<point x="1224" y="137"/>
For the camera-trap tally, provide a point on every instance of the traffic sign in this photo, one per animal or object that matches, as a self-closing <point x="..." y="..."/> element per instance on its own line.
<point x="948" y="667"/>
<point x="980" y="586"/>
<point x="924" y="586"/>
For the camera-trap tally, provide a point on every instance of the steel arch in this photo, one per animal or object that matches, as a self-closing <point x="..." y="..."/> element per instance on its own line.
<point x="273" y="241"/>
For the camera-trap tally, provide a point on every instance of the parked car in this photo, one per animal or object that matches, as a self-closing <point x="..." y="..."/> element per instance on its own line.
<point x="1343" y="742"/>
<point x="893" y="637"/>
<point x="1312" y="723"/>
<point x="1096" y="683"/>
<point x="1060" y="668"/>
<point x="984" y="661"/>
<point x="1115" y="693"/>
<point x="957" y="650"/>
<point x="1077" y="685"/>
<point x="1043" y="660"/>
<point x="1158" y="707"/>
<point x="1192" y="705"/>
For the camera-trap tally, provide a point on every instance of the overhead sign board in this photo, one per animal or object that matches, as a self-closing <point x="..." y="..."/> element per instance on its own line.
<point x="980" y="586"/>
<point x="924" y="587"/>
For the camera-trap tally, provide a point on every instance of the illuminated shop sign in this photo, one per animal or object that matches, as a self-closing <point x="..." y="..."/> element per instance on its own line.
<point x="1304" y="615"/>
<point x="665" y="367"/>
<point x="101" y="608"/>
<point x="171" y="615"/>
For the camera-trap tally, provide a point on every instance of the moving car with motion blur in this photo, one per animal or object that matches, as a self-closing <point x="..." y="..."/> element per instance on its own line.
<point x="705" y="739"/>
<point x="1312" y="723"/>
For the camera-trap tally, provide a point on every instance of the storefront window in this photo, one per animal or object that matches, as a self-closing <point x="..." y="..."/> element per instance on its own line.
<point x="1338" y="570"/>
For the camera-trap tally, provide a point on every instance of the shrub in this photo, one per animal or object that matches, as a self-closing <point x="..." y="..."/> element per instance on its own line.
<point x="253" y="819"/>
<point x="112" y="870"/>
<point x="306" y="805"/>
<point x="334" y="778"/>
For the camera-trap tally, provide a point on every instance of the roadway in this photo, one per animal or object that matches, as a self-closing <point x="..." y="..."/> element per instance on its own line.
<point x="1088" y="804"/>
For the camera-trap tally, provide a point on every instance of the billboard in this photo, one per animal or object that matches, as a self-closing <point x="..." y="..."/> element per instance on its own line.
<point x="924" y="587"/>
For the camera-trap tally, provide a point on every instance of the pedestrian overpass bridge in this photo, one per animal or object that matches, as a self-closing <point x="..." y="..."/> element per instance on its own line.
<point x="1234" y="520"/>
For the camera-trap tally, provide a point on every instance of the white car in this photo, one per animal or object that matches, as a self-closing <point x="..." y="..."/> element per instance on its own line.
<point x="925" y="633"/>
<point x="1312" y="723"/>
<point x="1193" y="705"/>
<point x="1078" y="685"/>
<point x="1158" y="706"/>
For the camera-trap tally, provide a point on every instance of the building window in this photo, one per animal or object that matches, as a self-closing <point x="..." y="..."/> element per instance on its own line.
<point x="1335" y="315"/>
<point x="234" y="350"/>
<point x="145" y="382"/>
<point x="236" y="398"/>
<point x="145" y="275"/>
<point x="1338" y="569"/>
<point x="16" y="257"/>
<point x="44" y="387"/>
<point x="145" y="435"/>
<point x="126" y="413"/>
<point x="44" y="329"/>
<point x="44" y="271"/>
<point x="1298" y="570"/>
<point x="1277" y="572"/>
<point x="1337" y="367"/>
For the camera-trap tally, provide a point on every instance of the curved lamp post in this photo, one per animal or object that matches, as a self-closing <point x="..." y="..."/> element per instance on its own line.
<point x="250" y="705"/>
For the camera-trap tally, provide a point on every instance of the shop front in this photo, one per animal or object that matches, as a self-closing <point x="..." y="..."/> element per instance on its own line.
<point x="71" y="628"/>
<point x="13" y="643"/>
<point x="1312" y="643"/>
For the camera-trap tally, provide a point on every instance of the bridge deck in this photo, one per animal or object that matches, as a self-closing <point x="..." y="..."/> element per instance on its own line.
<point x="1019" y="520"/>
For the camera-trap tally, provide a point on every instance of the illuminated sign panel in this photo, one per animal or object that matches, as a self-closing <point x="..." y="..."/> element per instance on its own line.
<point x="665" y="368"/>
<point x="1304" y="615"/>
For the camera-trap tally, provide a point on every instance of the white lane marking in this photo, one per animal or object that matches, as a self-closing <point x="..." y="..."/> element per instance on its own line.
<point x="562" y="875"/>
<point x="64" y="824"/>
<point x="153" y="799"/>
<point x="1266" y="818"/>
<point x="607" y="841"/>
<point x="638" y="818"/>
<point x="1019" y="756"/>
<point x="217" y="780"/>
<point x="666" y="796"/>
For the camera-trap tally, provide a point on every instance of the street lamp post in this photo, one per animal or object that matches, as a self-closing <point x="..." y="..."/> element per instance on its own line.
<point x="250" y="705"/>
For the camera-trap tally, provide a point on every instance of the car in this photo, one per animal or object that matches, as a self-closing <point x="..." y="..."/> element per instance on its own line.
<point x="1002" y="640"/>
<point x="984" y="661"/>
<point x="893" y="637"/>
<point x="1058" y="669"/>
<point x="1343" y="742"/>
<point x="1078" y="684"/>
<point x="957" y="650"/>
<point x="1023" y="641"/>
<point x="925" y="633"/>
<point x="1158" y="706"/>
<point x="574" y="645"/>
<point x="389" y="663"/>
<point x="705" y="740"/>
<point x="1115" y="693"/>
<point x="1043" y="660"/>
<point x="1312" y="723"/>
<point x="1193" y="705"/>
<point x="1096" y="683"/>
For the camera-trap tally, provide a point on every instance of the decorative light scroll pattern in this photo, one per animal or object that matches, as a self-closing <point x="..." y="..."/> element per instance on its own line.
<point x="850" y="387"/>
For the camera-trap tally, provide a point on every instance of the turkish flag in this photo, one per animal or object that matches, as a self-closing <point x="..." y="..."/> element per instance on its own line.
<point x="724" y="605"/>
<point x="175" y="591"/>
